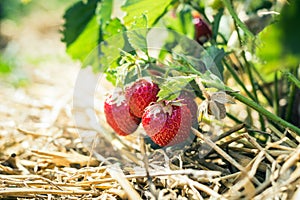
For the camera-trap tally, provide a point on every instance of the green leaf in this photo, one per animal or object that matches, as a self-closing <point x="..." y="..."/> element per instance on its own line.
<point x="85" y="28"/>
<point x="104" y="11"/>
<point x="137" y="36"/>
<point x="211" y="80"/>
<point x="188" y="54"/>
<point x="187" y="47"/>
<point x="171" y="87"/>
<point x="112" y="45"/>
<point x="212" y="59"/>
<point x="140" y="23"/>
<point x="112" y="28"/>
<point x="152" y="9"/>
<point x="104" y="57"/>
<point x="169" y="44"/>
<point x="110" y="50"/>
<point x="182" y="22"/>
<point x="77" y="19"/>
<point x="289" y="27"/>
<point x="271" y="53"/>
<point x="279" y="43"/>
<point x="86" y="42"/>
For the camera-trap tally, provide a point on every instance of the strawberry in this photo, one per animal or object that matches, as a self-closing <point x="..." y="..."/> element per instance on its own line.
<point x="188" y="99"/>
<point x="202" y="30"/>
<point x="118" y="116"/>
<point x="167" y="124"/>
<point x="140" y="94"/>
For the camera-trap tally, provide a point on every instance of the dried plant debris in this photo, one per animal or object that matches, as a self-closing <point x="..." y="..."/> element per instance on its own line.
<point x="44" y="158"/>
<point x="50" y="162"/>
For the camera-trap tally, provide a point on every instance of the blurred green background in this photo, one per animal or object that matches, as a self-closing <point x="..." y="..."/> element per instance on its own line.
<point x="279" y="43"/>
<point x="24" y="24"/>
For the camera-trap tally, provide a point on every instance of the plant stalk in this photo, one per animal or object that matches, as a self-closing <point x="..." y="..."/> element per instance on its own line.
<point x="235" y="17"/>
<point x="265" y="112"/>
<point x="260" y="109"/>
<point x="254" y="105"/>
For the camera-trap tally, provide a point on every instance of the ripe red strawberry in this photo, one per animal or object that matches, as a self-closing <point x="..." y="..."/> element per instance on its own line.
<point x="202" y="30"/>
<point x="118" y="116"/>
<point x="188" y="99"/>
<point x="167" y="124"/>
<point x="140" y="94"/>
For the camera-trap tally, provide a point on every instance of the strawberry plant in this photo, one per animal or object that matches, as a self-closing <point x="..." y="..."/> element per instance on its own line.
<point x="188" y="67"/>
<point x="122" y="48"/>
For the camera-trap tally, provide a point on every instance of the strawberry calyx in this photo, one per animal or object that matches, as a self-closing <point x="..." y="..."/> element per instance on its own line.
<point x="117" y="97"/>
<point x="164" y="105"/>
<point x="156" y="108"/>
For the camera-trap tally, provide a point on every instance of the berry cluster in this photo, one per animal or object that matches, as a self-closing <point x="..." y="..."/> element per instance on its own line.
<point x="165" y="122"/>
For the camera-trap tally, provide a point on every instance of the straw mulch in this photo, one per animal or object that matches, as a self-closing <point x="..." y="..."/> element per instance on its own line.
<point x="43" y="157"/>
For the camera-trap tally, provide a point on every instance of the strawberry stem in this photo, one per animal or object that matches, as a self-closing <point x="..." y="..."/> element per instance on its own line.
<point x="138" y="70"/>
<point x="260" y="109"/>
<point x="237" y="20"/>
<point x="202" y="88"/>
